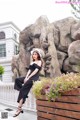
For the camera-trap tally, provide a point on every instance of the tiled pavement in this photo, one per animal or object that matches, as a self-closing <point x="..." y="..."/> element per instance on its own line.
<point x="27" y="115"/>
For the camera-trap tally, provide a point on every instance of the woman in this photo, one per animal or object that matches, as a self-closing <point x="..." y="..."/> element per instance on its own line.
<point x="24" y="84"/>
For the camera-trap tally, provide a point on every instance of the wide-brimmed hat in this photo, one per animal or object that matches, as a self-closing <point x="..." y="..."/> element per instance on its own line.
<point x="40" y="51"/>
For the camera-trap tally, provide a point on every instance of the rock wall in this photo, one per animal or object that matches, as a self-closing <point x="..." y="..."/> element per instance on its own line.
<point x="60" y="42"/>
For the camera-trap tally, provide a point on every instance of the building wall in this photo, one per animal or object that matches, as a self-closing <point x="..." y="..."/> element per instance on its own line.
<point x="9" y="32"/>
<point x="11" y="39"/>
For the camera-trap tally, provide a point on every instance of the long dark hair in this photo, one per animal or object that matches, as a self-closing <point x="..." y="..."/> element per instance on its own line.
<point x="39" y="57"/>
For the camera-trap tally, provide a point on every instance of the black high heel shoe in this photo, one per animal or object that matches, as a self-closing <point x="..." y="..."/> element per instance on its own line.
<point x="18" y="112"/>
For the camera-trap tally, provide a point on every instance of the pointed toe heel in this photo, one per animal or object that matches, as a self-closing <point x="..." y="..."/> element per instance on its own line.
<point x="15" y="115"/>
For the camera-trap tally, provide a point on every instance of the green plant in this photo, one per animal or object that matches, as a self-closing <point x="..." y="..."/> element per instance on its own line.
<point x="1" y="70"/>
<point x="54" y="87"/>
<point x="39" y="87"/>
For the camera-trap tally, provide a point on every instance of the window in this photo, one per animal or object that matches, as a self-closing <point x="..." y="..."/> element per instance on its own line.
<point x="2" y="35"/>
<point x="2" y="50"/>
<point x="16" y="49"/>
<point x="15" y="36"/>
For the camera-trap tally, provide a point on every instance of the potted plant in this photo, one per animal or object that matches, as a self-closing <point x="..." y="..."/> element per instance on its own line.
<point x="58" y="98"/>
<point x="1" y="71"/>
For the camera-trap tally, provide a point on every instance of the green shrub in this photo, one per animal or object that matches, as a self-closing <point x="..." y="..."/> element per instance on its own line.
<point x="1" y="70"/>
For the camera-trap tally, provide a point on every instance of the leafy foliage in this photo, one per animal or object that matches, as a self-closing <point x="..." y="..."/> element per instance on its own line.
<point x="40" y="87"/>
<point x="1" y="70"/>
<point x="54" y="87"/>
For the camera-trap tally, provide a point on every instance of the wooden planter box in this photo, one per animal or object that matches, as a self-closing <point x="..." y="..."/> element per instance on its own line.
<point x="66" y="107"/>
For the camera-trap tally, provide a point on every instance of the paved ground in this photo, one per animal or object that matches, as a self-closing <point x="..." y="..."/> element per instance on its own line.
<point x="25" y="116"/>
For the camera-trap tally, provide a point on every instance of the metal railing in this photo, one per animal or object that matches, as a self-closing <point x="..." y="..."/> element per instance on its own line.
<point x="9" y="96"/>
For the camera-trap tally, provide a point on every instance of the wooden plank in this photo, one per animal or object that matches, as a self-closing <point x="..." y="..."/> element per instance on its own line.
<point x="66" y="113"/>
<point x="75" y="92"/>
<point x="45" y="115"/>
<point x="66" y="107"/>
<point x="40" y="118"/>
<point x="69" y="99"/>
<point x="74" y="107"/>
<point x="51" y="117"/>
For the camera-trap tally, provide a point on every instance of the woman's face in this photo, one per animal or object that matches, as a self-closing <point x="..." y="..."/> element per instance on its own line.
<point x="35" y="56"/>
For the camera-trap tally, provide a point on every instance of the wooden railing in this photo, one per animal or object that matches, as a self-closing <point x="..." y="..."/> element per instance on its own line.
<point x="9" y="96"/>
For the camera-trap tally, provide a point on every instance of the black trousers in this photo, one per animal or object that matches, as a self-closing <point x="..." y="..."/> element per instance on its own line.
<point x="23" y="88"/>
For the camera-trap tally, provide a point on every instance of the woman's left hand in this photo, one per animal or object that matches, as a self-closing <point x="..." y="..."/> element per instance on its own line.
<point x="25" y="80"/>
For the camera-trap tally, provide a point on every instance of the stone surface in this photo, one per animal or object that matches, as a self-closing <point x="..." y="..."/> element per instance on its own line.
<point x="74" y="53"/>
<point x="75" y="30"/>
<point x="64" y="27"/>
<point x="61" y="58"/>
<point x="60" y="42"/>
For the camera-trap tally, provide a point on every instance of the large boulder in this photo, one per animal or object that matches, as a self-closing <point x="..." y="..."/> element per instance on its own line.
<point x="54" y="63"/>
<point x="74" y="53"/>
<point x="15" y="67"/>
<point x="75" y="31"/>
<point x="61" y="57"/>
<point x="64" y="27"/>
<point x="59" y="41"/>
<point x="67" y="67"/>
